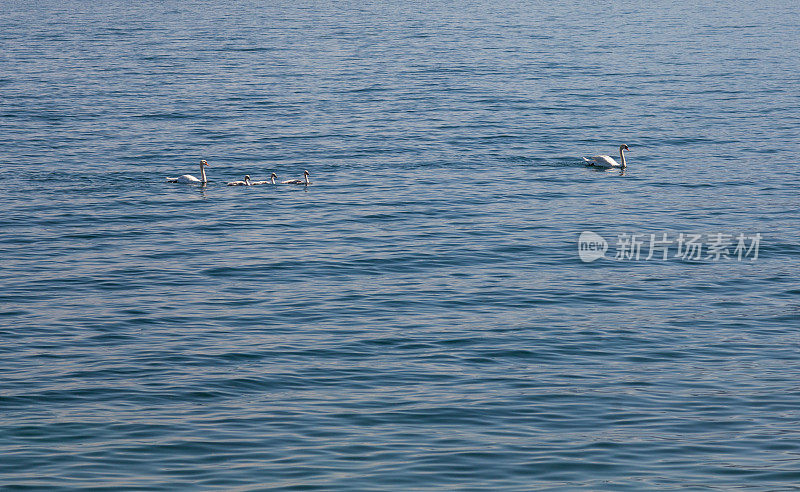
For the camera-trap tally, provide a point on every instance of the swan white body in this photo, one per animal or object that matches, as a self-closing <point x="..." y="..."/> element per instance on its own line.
<point x="608" y="162"/>
<point x="188" y="178"/>
<point x="246" y="182"/>
<point x="271" y="180"/>
<point x="303" y="181"/>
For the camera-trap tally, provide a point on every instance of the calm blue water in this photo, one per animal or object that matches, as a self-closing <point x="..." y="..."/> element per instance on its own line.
<point x="419" y="317"/>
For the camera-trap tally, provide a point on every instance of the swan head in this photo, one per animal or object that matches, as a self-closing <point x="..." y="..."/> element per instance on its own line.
<point x="246" y="178"/>
<point x="305" y="173"/>
<point x="623" y="147"/>
<point x="274" y="175"/>
<point x="203" y="162"/>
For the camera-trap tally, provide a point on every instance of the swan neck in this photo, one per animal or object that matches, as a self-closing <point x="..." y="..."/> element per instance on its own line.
<point x="203" y="174"/>
<point x="622" y="157"/>
<point x="306" y="178"/>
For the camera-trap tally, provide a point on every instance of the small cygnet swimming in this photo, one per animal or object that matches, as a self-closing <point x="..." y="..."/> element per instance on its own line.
<point x="246" y="182"/>
<point x="271" y="180"/>
<point x="303" y="181"/>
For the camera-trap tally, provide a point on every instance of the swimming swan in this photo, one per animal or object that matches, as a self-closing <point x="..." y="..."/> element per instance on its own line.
<point x="303" y="181"/>
<point x="271" y="180"/>
<point x="246" y="182"/>
<point x="188" y="178"/>
<point x="607" y="162"/>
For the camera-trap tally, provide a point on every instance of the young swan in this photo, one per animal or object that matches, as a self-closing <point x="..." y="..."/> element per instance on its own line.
<point x="303" y="181"/>
<point x="608" y="162"/>
<point x="271" y="180"/>
<point x="188" y="178"/>
<point x="246" y="182"/>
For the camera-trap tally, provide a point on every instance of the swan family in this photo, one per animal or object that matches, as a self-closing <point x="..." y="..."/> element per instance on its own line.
<point x="247" y="181"/>
<point x="600" y="161"/>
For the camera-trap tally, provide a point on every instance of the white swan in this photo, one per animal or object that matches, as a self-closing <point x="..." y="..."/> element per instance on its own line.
<point x="607" y="162"/>
<point x="246" y="182"/>
<point x="303" y="181"/>
<point x="188" y="178"/>
<point x="271" y="180"/>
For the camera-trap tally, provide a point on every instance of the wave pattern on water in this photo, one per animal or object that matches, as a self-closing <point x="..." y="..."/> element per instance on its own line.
<point x="418" y="318"/>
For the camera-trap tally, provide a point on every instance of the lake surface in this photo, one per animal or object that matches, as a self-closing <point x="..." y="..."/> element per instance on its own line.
<point x="419" y="318"/>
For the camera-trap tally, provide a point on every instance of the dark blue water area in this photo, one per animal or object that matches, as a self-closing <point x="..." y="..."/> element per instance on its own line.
<point x="420" y="317"/>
